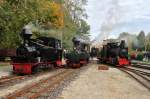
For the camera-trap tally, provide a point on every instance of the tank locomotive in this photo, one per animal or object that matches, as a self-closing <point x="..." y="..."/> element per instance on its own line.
<point x="36" y="54"/>
<point x="80" y="55"/>
<point x="94" y="52"/>
<point x="115" y="53"/>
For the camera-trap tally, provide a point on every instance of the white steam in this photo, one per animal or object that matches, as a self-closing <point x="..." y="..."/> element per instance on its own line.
<point x="109" y="23"/>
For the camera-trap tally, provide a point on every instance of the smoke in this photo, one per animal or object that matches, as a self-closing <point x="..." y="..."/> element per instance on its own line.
<point x="131" y="40"/>
<point x="82" y="39"/>
<point x="110" y="21"/>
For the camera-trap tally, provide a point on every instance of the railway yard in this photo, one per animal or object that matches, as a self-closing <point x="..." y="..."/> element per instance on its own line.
<point x="74" y="49"/>
<point x="130" y="82"/>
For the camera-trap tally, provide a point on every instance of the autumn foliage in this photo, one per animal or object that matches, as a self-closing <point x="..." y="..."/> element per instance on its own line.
<point x="54" y="17"/>
<point x="54" y="13"/>
<point x="15" y="14"/>
<point x="57" y="14"/>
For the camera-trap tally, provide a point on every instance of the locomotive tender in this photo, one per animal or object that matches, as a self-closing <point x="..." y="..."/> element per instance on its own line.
<point x="115" y="53"/>
<point x="36" y="54"/>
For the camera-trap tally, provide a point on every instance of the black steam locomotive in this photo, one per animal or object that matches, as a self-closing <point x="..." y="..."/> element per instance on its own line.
<point x="36" y="54"/>
<point x="80" y="55"/>
<point x="115" y="53"/>
<point x="94" y="52"/>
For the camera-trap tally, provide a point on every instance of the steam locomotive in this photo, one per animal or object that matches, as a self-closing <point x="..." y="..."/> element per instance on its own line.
<point x="36" y="54"/>
<point x="115" y="53"/>
<point x="80" y="55"/>
<point x="94" y="52"/>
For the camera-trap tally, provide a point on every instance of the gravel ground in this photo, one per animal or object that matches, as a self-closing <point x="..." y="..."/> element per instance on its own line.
<point x="5" y="70"/>
<point x="53" y="94"/>
<point x="11" y="89"/>
<point x="104" y="84"/>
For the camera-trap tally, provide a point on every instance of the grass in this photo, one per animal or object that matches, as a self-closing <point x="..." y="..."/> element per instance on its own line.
<point x="4" y="64"/>
<point x="145" y="62"/>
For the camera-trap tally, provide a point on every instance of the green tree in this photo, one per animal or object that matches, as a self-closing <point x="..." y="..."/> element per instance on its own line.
<point x="141" y="40"/>
<point x="147" y="42"/>
<point x="15" y="14"/>
<point x="48" y="17"/>
<point x="73" y="20"/>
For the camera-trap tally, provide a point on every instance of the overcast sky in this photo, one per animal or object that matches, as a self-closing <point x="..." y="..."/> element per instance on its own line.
<point x="116" y="16"/>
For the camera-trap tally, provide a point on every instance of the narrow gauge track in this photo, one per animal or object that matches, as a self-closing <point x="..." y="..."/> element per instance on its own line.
<point x="141" y="76"/>
<point x="141" y="65"/>
<point x="5" y="77"/>
<point x="11" y="80"/>
<point x="44" y="86"/>
<point x="141" y="71"/>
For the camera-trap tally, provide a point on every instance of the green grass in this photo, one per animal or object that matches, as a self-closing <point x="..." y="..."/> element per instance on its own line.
<point x="145" y="62"/>
<point x="4" y="64"/>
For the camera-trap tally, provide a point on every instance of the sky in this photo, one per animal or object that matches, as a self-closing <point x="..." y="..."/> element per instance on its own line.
<point x="109" y="18"/>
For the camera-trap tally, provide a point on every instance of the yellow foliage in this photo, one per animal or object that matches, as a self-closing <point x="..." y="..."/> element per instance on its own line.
<point x="1" y="2"/>
<point x="52" y="12"/>
<point x="55" y="14"/>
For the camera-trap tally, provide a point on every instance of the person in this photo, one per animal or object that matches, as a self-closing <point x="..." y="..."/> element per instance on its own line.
<point x="64" y="53"/>
<point x="148" y="56"/>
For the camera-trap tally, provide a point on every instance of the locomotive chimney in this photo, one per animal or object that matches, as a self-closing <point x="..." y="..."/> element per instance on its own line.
<point x="122" y="44"/>
<point x="26" y="34"/>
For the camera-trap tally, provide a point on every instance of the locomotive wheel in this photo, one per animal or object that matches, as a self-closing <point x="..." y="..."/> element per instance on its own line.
<point x="55" y="65"/>
<point x="36" y="70"/>
<point x="2" y="58"/>
<point x="70" y="64"/>
<point x="81" y="64"/>
<point x="87" y="60"/>
<point x="103" y="61"/>
<point x="74" y="65"/>
<point x="114" y="61"/>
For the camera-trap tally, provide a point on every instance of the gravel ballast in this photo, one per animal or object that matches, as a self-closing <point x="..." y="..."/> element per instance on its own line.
<point x="104" y="84"/>
<point x="16" y="87"/>
<point x="5" y="70"/>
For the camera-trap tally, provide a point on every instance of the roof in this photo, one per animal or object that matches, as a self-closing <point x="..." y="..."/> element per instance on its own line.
<point x="110" y="41"/>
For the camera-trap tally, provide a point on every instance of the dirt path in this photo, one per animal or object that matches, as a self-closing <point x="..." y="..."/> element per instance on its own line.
<point x="108" y="84"/>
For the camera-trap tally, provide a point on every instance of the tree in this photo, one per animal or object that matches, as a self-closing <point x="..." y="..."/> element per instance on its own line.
<point x="84" y="27"/>
<point x="141" y="40"/>
<point x="75" y="9"/>
<point x="47" y="17"/>
<point x="147" y="43"/>
<point x="15" y="14"/>
<point x="74" y="24"/>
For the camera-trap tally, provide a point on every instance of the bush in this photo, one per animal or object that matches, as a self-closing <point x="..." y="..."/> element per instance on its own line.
<point x="140" y="56"/>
